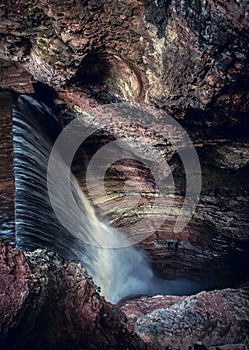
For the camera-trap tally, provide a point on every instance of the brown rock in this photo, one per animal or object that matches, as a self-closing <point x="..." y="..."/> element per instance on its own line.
<point x="215" y="319"/>
<point x="7" y="215"/>
<point x="48" y="303"/>
<point x="15" y="77"/>
<point x="190" y="59"/>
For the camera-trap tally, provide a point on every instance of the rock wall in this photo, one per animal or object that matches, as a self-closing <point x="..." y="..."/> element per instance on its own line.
<point x="7" y="215"/>
<point x="52" y="304"/>
<point x="186" y="58"/>
<point x="204" y="321"/>
<point x="146" y="41"/>
<point x="49" y="303"/>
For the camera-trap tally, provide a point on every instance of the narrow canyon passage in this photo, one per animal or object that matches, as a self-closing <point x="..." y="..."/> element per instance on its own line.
<point x="127" y="239"/>
<point x="119" y="272"/>
<point x="119" y="269"/>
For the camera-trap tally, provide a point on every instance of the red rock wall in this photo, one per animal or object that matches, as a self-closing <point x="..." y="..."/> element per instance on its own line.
<point x="7" y="215"/>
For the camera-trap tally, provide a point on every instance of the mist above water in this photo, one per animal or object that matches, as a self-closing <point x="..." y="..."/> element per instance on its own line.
<point x="119" y="272"/>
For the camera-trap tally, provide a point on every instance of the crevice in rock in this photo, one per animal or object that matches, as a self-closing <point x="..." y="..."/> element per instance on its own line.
<point x="156" y="12"/>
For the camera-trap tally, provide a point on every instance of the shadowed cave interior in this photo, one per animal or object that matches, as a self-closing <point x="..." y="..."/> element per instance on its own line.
<point x="187" y="60"/>
<point x="119" y="272"/>
<point x="178" y="278"/>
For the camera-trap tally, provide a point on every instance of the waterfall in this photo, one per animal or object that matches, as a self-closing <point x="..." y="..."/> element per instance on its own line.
<point x="119" y="272"/>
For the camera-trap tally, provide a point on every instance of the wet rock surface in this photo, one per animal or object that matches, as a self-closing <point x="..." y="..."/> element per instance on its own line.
<point x="7" y="215"/>
<point x="53" y="303"/>
<point x="190" y="59"/>
<point x="214" y="245"/>
<point x="49" y="303"/>
<point x="15" y="76"/>
<point x="212" y="319"/>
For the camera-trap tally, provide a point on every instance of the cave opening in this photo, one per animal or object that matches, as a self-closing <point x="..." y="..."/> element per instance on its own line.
<point x="108" y="78"/>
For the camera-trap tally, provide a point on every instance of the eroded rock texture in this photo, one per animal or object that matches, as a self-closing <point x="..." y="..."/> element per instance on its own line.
<point x="186" y="58"/>
<point x="208" y="318"/>
<point x="181" y="55"/>
<point x="50" y="303"/>
<point x="47" y="303"/>
<point x="7" y="216"/>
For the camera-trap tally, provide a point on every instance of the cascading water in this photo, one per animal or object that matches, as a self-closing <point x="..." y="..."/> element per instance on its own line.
<point x="120" y="272"/>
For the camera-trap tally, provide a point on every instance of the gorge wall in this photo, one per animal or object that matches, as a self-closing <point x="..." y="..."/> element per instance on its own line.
<point x="185" y="58"/>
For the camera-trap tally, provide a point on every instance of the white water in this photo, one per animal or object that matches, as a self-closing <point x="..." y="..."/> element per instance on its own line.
<point x="120" y="272"/>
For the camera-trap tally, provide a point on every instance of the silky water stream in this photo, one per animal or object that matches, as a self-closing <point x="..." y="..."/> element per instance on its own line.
<point x="119" y="272"/>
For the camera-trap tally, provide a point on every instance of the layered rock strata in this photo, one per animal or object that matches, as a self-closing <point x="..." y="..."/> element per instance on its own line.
<point x="7" y="208"/>
<point x="190" y="59"/>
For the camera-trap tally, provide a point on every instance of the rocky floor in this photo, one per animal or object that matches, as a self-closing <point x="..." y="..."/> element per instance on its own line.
<point x="52" y="303"/>
<point x="213" y="319"/>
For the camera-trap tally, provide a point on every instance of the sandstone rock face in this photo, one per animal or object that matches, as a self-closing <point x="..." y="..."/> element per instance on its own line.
<point x="193" y="36"/>
<point x="190" y="59"/>
<point x="215" y="242"/>
<point x="144" y="41"/>
<point x="48" y="303"/>
<point x="52" y="303"/>
<point x="7" y="215"/>
<point x="213" y="319"/>
<point x="14" y="76"/>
